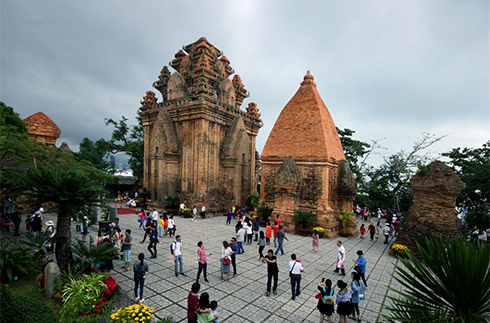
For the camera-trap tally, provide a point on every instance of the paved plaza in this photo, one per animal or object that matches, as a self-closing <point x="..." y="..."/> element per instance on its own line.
<point x="243" y="298"/>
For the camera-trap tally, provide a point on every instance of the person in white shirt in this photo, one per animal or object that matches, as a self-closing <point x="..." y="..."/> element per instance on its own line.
<point x="295" y="270"/>
<point x="203" y="211"/>
<point x="181" y="209"/>
<point x="171" y="226"/>
<point x="155" y="217"/>
<point x="341" y="258"/>
<point x="177" y="252"/>
<point x="194" y="213"/>
<point x="240" y="238"/>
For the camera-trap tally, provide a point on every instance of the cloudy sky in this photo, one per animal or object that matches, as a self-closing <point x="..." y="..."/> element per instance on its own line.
<point x="386" y="69"/>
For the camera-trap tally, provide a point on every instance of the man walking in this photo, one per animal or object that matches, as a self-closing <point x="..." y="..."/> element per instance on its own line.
<point x="386" y="232"/>
<point x="341" y="259"/>
<point x="126" y="249"/>
<point x="240" y="239"/>
<point x="177" y="252"/>
<point x="295" y="270"/>
<point x="280" y="240"/>
<point x="155" y="217"/>
<point x="234" y="248"/>
<point x="361" y="262"/>
<point x="153" y="242"/>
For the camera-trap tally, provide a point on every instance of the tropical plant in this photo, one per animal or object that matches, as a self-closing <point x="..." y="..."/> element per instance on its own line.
<point x="15" y="257"/>
<point x="80" y="294"/>
<point x="71" y="189"/>
<point x="133" y="313"/>
<point x="265" y="212"/>
<point x="253" y="200"/>
<point x="304" y="217"/>
<point x="451" y="284"/>
<point x="172" y="202"/>
<point x="345" y="217"/>
<point x="87" y="254"/>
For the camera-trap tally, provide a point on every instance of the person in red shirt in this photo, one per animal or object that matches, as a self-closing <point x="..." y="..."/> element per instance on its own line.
<point x="362" y="230"/>
<point x="192" y="301"/>
<point x="372" y="230"/>
<point x="278" y="220"/>
<point x="268" y="233"/>
<point x="275" y="228"/>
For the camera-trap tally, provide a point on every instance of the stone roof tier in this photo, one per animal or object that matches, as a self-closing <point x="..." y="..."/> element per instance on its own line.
<point x="41" y="128"/>
<point x="305" y="128"/>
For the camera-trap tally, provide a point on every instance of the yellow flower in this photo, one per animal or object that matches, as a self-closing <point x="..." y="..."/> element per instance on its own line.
<point x="136" y="319"/>
<point x="133" y="314"/>
<point x="141" y="314"/>
<point x="37" y="250"/>
<point x="113" y="316"/>
<point x="86" y="290"/>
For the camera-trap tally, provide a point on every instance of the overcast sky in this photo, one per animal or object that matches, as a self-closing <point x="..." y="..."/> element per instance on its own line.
<point x="386" y="69"/>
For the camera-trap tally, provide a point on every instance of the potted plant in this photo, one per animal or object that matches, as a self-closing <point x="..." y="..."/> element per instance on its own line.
<point x="104" y="223"/>
<point x="345" y="217"/>
<point x="264" y="212"/>
<point x="304" y="217"/>
<point x="186" y="213"/>
<point x="319" y="230"/>
<point x="172" y="204"/>
<point x="253" y="201"/>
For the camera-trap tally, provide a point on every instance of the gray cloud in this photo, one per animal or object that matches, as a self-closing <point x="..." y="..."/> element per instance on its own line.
<point x="384" y="69"/>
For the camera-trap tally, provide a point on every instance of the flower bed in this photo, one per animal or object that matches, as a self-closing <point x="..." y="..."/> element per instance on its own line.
<point x="133" y="313"/>
<point x="400" y="250"/>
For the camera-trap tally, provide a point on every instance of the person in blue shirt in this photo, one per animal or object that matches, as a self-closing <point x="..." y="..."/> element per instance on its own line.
<point x="361" y="262"/>
<point x="356" y="287"/>
<point x="234" y="248"/>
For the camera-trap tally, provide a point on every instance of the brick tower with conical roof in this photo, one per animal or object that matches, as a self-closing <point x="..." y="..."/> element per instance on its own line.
<point x="303" y="163"/>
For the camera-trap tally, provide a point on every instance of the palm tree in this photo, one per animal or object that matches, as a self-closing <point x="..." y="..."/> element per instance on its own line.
<point x="71" y="190"/>
<point x="304" y="217"/>
<point x="452" y="284"/>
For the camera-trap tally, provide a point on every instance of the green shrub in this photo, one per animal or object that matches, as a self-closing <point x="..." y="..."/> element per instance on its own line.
<point x="15" y="257"/>
<point x="23" y="309"/>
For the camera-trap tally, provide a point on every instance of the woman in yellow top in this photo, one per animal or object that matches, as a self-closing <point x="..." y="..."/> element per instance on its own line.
<point x="161" y="226"/>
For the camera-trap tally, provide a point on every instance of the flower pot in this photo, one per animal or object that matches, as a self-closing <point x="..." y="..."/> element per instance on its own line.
<point x="172" y="212"/>
<point x="104" y="225"/>
<point x="303" y="232"/>
<point x="344" y="234"/>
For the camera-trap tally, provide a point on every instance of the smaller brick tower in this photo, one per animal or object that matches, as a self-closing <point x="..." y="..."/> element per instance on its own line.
<point x="303" y="163"/>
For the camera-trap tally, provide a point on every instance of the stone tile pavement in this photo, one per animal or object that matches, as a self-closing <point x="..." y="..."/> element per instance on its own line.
<point x="243" y="299"/>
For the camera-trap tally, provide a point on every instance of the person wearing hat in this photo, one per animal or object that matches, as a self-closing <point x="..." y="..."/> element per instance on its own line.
<point x="50" y="234"/>
<point x="386" y="232"/>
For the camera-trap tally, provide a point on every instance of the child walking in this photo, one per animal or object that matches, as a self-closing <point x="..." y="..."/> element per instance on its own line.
<point x="362" y="230"/>
<point x="214" y="307"/>
<point x="140" y="268"/>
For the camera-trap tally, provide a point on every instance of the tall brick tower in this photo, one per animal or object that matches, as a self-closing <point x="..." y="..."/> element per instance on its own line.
<point x="303" y="163"/>
<point x="199" y="144"/>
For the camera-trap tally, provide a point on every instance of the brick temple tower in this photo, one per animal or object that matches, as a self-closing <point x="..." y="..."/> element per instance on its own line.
<point x="199" y="143"/>
<point x="41" y="128"/>
<point x="303" y="163"/>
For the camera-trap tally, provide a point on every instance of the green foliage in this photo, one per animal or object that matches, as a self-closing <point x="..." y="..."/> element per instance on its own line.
<point x="354" y="151"/>
<point x="304" y="217"/>
<point x="265" y="212"/>
<point x="346" y="216"/>
<point x="169" y="319"/>
<point x="15" y="257"/>
<point x="130" y="140"/>
<point x="79" y="293"/>
<point x="87" y="254"/>
<point x="23" y="309"/>
<point x="96" y="153"/>
<point x="450" y="285"/>
<point x="253" y="200"/>
<point x="480" y="219"/>
<point x="71" y="189"/>
<point x="472" y="165"/>
<point x="11" y="120"/>
<point x="172" y="202"/>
